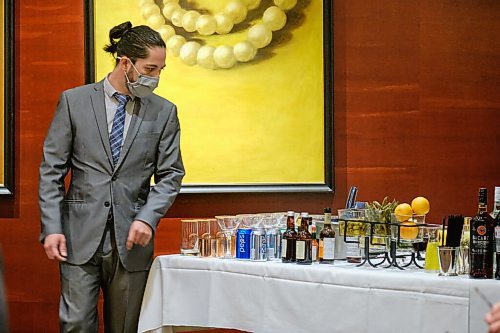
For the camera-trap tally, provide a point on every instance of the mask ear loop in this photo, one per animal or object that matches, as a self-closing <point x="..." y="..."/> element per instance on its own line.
<point x="138" y="73"/>
<point x="126" y="75"/>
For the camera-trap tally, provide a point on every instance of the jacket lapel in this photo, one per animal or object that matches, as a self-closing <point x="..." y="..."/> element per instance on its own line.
<point x="135" y="123"/>
<point x="99" y="107"/>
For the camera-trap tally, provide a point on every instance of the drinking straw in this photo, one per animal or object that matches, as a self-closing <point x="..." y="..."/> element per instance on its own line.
<point x="455" y="225"/>
<point x="483" y="296"/>
<point x="442" y="235"/>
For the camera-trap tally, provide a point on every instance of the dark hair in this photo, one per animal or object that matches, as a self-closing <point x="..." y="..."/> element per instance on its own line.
<point x="133" y="43"/>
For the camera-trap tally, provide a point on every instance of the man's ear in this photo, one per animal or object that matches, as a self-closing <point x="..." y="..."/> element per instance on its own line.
<point x="123" y="63"/>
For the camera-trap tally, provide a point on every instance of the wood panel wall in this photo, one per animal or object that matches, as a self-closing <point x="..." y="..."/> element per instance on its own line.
<point x="417" y="112"/>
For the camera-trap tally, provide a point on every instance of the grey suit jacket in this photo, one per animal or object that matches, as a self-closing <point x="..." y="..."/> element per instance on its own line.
<point x="77" y="141"/>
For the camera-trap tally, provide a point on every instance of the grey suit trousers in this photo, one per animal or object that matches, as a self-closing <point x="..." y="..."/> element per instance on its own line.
<point x="122" y="291"/>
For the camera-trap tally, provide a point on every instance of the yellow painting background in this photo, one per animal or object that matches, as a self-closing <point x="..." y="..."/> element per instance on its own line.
<point x="256" y="123"/>
<point x="2" y="100"/>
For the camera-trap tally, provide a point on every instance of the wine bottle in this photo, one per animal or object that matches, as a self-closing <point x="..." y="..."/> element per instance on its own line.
<point x="482" y="240"/>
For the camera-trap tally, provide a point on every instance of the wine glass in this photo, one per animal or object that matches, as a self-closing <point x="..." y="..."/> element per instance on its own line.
<point x="228" y="225"/>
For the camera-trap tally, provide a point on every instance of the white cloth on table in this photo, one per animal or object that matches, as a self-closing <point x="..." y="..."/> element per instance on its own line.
<point x="274" y="297"/>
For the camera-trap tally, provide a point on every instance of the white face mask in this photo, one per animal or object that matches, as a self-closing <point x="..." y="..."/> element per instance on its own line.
<point x="143" y="86"/>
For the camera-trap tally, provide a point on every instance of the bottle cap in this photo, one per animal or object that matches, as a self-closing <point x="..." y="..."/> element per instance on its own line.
<point x="305" y="214"/>
<point x="497" y="191"/>
<point x="290" y="213"/>
<point x="329" y="210"/>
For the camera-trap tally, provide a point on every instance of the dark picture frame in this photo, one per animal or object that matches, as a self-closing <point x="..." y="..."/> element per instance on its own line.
<point x="327" y="185"/>
<point x="7" y="185"/>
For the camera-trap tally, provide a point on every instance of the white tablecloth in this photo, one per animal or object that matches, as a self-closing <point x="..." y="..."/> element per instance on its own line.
<point x="274" y="297"/>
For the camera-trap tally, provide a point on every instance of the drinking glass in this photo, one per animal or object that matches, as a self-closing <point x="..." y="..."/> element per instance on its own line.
<point x="204" y="242"/>
<point x="408" y="231"/>
<point x="448" y="260"/>
<point x="189" y="237"/>
<point x="217" y="240"/>
<point x="228" y="225"/>
<point x="431" y="264"/>
<point x="352" y="229"/>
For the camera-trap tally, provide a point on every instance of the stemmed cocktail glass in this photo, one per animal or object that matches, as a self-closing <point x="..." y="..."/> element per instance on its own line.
<point x="228" y="225"/>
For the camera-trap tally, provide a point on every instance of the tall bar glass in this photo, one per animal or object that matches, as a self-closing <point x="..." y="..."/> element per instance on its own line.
<point x="189" y="237"/>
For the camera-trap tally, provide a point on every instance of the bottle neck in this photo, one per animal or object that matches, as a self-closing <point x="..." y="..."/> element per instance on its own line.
<point x="304" y="224"/>
<point x="496" y="207"/>
<point x="290" y="223"/>
<point x="482" y="208"/>
<point x="328" y="219"/>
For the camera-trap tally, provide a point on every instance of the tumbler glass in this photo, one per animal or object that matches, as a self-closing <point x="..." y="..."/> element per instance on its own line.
<point x="189" y="237"/>
<point x="204" y="242"/>
<point x="448" y="260"/>
<point x="217" y="239"/>
<point x="352" y="230"/>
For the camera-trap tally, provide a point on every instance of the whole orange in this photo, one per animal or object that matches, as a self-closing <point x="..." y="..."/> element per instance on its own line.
<point x="420" y="205"/>
<point x="403" y="212"/>
<point x="408" y="230"/>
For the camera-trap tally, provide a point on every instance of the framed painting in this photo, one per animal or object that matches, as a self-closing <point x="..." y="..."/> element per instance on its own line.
<point x="7" y="98"/>
<point x="253" y="85"/>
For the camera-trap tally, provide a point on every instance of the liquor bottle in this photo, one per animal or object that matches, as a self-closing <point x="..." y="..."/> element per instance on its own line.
<point x="482" y="240"/>
<point x="496" y="215"/>
<point x="497" y="246"/>
<point x="327" y="240"/>
<point x="288" y="241"/>
<point x="496" y="203"/>
<point x="314" y="242"/>
<point x="303" y="247"/>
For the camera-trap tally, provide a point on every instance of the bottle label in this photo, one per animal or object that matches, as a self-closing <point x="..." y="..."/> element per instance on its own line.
<point x="300" y="250"/>
<point x="328" y="248"/>
<point x="352" y="249"/>
<point x="482" y="240"/>
<point x="497" y="239"/>
<point x="283" y="248"/>
<point x="314" y="252"/>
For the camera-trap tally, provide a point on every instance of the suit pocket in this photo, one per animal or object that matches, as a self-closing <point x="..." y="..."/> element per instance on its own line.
<point x="73" y="201"/>
<point x="148" y="136"/>
<point x="148" y="144"/>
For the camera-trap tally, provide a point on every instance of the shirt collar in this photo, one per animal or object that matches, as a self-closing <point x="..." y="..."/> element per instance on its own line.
<point x="110" y="90"/>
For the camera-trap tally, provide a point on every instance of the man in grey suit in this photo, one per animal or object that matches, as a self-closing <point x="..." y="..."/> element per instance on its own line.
<point x="113" y="136"/>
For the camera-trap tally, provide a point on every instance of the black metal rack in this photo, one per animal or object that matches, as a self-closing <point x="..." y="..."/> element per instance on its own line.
<point x="390" y="253"/>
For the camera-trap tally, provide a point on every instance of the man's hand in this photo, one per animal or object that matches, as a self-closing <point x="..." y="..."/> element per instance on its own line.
<point x="55" y="247"/>
<point x="493" y="319"/>
<point x="140" y="233"/>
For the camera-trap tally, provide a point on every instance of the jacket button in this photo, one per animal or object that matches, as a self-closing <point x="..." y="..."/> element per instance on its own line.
<point x="106" y="204"/>
<point x="113" y="178"/>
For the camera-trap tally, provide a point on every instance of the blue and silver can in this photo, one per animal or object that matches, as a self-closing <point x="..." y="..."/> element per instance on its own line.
<point x="258" y="245"/>
<point x="243" y="243"/>
<point x="273" y="238"/>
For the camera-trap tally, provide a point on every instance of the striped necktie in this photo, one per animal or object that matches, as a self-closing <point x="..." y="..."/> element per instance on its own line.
<point x="116" y="135"/>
